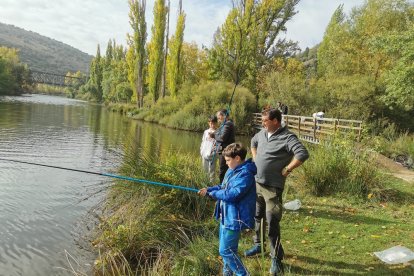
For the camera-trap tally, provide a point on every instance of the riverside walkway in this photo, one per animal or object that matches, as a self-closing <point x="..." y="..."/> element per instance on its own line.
<point x="313" y="130"/>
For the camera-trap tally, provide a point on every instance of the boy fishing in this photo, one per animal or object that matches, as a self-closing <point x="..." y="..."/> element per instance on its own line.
<point x="235" y="208"/>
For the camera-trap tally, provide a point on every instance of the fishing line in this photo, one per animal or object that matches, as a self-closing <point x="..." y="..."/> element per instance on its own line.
<point x="171" y="186"/>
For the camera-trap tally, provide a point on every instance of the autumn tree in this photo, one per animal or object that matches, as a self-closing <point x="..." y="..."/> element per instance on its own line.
<point x="164" y="60"/>
<point x="358" y="54"/>
<point x="109" y="54"/>
<point x="96" y="76"/>
<point x="136" y="56"/>
<point x="248" y="39"/>
<point x="194" y="64"/>
<point x="174" y="61"/>
<point x="156" y="49"/>
<point x="14" y="75"/>
<point x="115" y="84"/>
<point x="400" y="79"/>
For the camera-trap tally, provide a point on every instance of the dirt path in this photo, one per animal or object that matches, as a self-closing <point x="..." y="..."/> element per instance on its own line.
<point x="395" y="169"/>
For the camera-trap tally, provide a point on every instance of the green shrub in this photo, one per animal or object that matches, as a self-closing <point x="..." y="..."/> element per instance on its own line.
<point x="194" y="103"/>
<point x="401" y="149"/>
<point x="388" y="140"/>
<point x="337" y="167"/>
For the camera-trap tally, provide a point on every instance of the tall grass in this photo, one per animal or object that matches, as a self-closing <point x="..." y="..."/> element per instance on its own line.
<point x="388" y="140"/>
<point x="339" y="167"/>
<point x="153" y="229"/>
<point x="400" y="149"/>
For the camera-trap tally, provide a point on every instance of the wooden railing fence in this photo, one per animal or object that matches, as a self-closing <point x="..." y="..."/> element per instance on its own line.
<point x="314" y="129"/>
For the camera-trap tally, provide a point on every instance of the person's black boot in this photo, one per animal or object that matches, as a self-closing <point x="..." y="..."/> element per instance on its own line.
<point x="276" y="267"/>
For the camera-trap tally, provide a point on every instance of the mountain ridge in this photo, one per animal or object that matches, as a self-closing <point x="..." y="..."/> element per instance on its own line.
<point x="43" y="53"/>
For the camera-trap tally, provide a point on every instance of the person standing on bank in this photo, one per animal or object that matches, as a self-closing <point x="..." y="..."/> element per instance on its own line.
<point x="276" y="152"/>
<point x="224" y="136"/>
<point x="235" y="207"/>
<point x="207" y="148"/>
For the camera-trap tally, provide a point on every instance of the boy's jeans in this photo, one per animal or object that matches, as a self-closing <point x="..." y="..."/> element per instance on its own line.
<point x="229" y="243"/>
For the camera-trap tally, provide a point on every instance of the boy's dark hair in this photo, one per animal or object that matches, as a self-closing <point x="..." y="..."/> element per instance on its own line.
<point x="212" y="118"/>
<point x="235" y="149"/>
<point x="272" y="114"/>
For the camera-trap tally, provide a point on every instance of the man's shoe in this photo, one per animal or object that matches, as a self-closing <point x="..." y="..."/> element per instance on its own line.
<point x="276" y="268"/>
<point x="256" y="249"/>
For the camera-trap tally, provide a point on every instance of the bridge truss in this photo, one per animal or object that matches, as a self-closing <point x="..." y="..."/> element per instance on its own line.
<point x="55" y="79"/>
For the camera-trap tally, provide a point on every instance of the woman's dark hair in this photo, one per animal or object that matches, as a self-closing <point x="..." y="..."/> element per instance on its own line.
<point x="223" y="112"/>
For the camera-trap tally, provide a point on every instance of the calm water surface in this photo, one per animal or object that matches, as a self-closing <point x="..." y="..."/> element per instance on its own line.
<point x="45" y="212"/>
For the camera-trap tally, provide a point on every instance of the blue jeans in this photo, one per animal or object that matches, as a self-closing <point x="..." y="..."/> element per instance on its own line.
<point x="229" y="243"/>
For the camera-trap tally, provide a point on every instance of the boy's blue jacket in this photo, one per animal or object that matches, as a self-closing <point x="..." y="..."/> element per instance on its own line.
<point x="236" y="197"/>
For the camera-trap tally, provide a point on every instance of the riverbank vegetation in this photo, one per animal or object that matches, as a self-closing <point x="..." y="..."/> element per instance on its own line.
<point x="13" y="74"/>
<point x="156" y="231"/>
<point x="362" y="69"/>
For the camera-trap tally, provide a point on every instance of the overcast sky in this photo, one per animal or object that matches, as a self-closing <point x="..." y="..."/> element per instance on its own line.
<point x="85" y="23"/>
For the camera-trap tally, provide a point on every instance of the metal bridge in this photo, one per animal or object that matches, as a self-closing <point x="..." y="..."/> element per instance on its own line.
<point x="55" y="79"/>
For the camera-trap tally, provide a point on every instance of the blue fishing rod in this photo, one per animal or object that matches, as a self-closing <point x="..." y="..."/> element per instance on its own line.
<point x="218" y="145"/>
<point x="171" y="186"/>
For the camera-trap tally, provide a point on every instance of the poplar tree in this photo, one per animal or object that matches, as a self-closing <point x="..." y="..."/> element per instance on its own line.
<point x="164" y="65"/>
<point x="174" y="65"/>
<point x="156" y="49"/>
<point x="109" y="55"/>
<point x="96" y="75"/>
<point x="330" y="60"/>
<point x="136" y="57"/>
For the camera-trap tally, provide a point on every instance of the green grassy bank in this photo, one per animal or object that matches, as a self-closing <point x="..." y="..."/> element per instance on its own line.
<point x="158" y="231"/>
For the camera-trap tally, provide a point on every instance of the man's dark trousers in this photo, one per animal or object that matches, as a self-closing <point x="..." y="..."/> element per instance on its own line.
<point x="269" y="207"/>
<point x="223" y="167"/>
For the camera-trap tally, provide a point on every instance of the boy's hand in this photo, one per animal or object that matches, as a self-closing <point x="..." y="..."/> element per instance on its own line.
<point x="202" y="192"/>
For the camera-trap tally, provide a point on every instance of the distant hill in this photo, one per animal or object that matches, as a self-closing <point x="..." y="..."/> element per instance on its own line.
<point x="43" y="53"/>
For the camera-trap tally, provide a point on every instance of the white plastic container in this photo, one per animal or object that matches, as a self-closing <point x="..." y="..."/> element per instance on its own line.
<point x="293" y="205"/>
<point x="395" y="255"/>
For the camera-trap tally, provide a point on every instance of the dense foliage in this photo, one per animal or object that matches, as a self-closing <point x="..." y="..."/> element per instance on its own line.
<point x="14" y="75"/>
<point x="248" y="40"/>
<point x="195" y="102"/>
<point x="363" y="68"/>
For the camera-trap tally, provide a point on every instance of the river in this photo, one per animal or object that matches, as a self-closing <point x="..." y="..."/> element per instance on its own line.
<point x="46" y="213"/>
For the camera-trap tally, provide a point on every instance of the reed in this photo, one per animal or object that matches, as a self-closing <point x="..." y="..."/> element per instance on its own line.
<point x="153" y="228"/>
